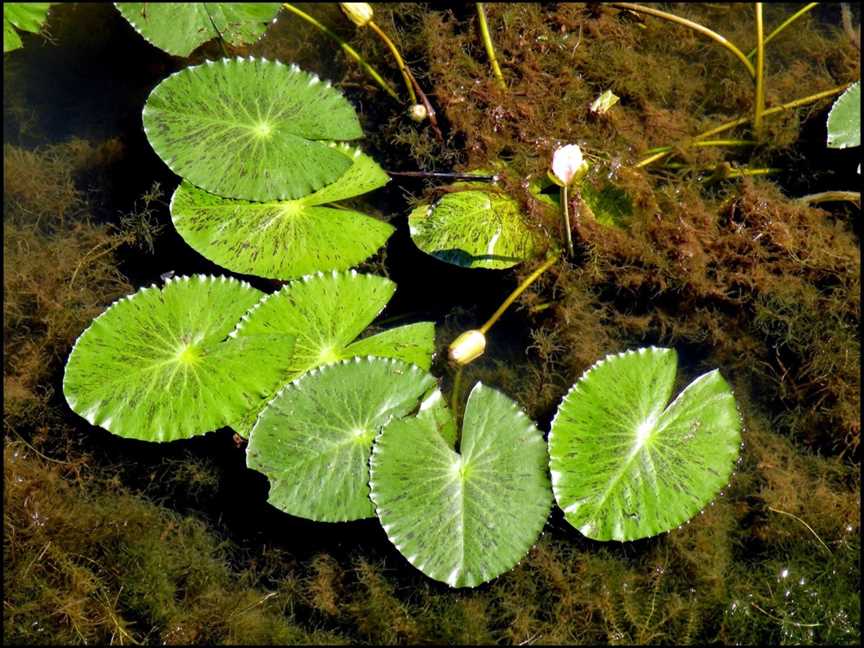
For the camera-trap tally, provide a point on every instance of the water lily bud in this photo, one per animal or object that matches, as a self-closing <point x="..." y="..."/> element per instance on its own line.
<point x="418" y="112"/>
<point x="359" y="13"/>
<point x="568" y="165"/>
<point x="467" y="347"/>
<point x="604" y="102"/>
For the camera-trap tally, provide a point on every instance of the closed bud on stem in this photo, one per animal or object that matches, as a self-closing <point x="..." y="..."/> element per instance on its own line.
<point x="568" y="165"/>
<point x="418" y="112"/>
<point x="467" y="347"/>
<point x="360" y="13"/>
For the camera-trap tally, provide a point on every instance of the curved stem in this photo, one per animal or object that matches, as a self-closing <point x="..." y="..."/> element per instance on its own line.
<point x="759" y="103"/>
<point x="490" y="50"/>
<point x="832" y="196"/>
<point x="350" y="51"/>
<point x="783" y="26"/>
<point x="399" y="61"/>
<point x="692" y="25"/>
<point x="519" y="290"/>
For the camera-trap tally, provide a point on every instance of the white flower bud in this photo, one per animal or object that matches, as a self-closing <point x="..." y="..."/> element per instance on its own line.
<point x="568" y="165"/>
<point x="467" y="347"/>
<point x="418" y="112"/>
<point x="359" y="13"/>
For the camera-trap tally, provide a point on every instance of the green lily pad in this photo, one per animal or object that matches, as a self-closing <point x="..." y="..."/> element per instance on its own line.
<point x="288" y="238"/>
<point x="250" y="128"/>
<point x="844" y="120"/>
<point x="607" y="204"/>
<point x="462" y="517"/>
<point x="157" y="366"/>
<point x="624" y="464"/>
<point x="181" y="27"/>
<point x="26" y="16"/>
<point x="325" y="313"/>
<point x="313" y="440"/>
<point x="474" y="229"/>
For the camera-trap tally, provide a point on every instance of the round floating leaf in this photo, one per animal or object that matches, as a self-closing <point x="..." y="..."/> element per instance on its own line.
<point x="251" y="129"/>
<point x="289" y="238"/>
<point x="180" y="27"/>
<point x="462" y="517"/>
<point x="325" y="313"/>
<point x="474" y="229"/>
<point x="26" y="16"/>
<point x="626" y="466"/>
<point x="156" y="365"/>
<point x="844" y="120"/>
<point x="314" y="438"/>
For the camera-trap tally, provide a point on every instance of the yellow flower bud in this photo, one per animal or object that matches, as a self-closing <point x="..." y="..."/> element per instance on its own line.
<point x="418" y="112"/>
<point x="359" y="13"/>
<point x="467" y="347"/>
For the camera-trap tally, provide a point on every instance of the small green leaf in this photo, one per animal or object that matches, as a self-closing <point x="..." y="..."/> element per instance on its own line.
<point x="462" y="517"/>
<point x="624" y="465"/>
<point x="289" y="238"/>
<point x="313" y="440"/>
<point x="610" y="205"/>
<point x="26" y="16"/>
<point x="181" y="27"/>
<point x="474" y="229"/>
<point x="157" y="366"/>
<point x="844" y="120"/>
<point x="250" y="128"/>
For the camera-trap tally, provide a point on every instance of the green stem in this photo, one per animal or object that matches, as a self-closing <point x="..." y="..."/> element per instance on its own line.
<point x="725" y="142"/>
<point x="759" y="103"/>
<point x="454" y="396"/>
<point x="565" y="214"/>
<point x="490" y="50"/>
<point x="783" y="26"/>
<point x="722" y="40"/>
<point x="399" y="61"/>
<point x="350" y="51"/>
<point x="519" y="290"/>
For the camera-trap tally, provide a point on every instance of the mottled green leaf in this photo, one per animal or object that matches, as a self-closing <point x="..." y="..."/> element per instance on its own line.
<point x="157" y="365"/>
<point x="180" y="27"/>
<point x="314" y="438"/>
<point x="284" y="239"/>
<point x="462" y="517"/>
<point x="627" y="466"/>
<point x="250" y="128"/>
<point x="844" y="120"/>
<point x="26" y="16"/>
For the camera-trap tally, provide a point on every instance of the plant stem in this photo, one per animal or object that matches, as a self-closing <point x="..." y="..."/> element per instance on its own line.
<point x="448" y="176"/>
<point x="692" y="25"/>
<point x="783" y="26"/>
<point x="490" y="50"/>
<point x="565" y="214"/>
<point x="743" y="120"/>
<point x="399" y="61"/>
<point x="519" y="290"/>
<point x="809" y="528"/>
<point x="759" y="103"/>
<point x="350" y="51"/>
<point x="726" y="142"/>
<point x="832" y="196"/>
<point x="454" y="397"/>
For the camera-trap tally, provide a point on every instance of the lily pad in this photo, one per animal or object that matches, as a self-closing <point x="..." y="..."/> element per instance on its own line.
<point x="181" y="27"/>
<point x="26" y="16"/>
<point x="250" y="128"/>
<point x="325" y="313"/>
<point x="285" y="239"/>
<point x="462" y="517"/>
<point x="474" y="229"/>
<point x="844" y="120"/>
<point x="313" y="440"/>
<point x="627" y="466"/>
<point x="156" y="365"/>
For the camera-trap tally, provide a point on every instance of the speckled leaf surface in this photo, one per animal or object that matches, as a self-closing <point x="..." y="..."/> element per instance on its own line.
<point x="474" y="229"/>
<point x="313" y="440"/>
<point x="26" y="16"/>
<point x="624" y="465"/>
<point x="284" y="239"/>
<point x="157" y="366"/>
<point x="180" y="27"/>
<point x="325" y="313"/>
<point x="844" y="120"/>
<point x="250" y="128"/>
<point x="462" y="517"/>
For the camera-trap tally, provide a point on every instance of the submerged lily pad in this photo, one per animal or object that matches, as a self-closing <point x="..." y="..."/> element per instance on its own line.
<point x="624" y="465"/>
<point x="250" y="128"/>
<point x="607" y="204"/>
<point x="288" y="238"/>
<point x="326" y="313"/>
<point x="474" y="229"/>
<point x="844" y="120"/>
<point x="462" y="517"/>
<point x="26" y="16"/>
<point x="156" y="365"/>
<point x="180" y="27"/>
<point x="313" y="440"/>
